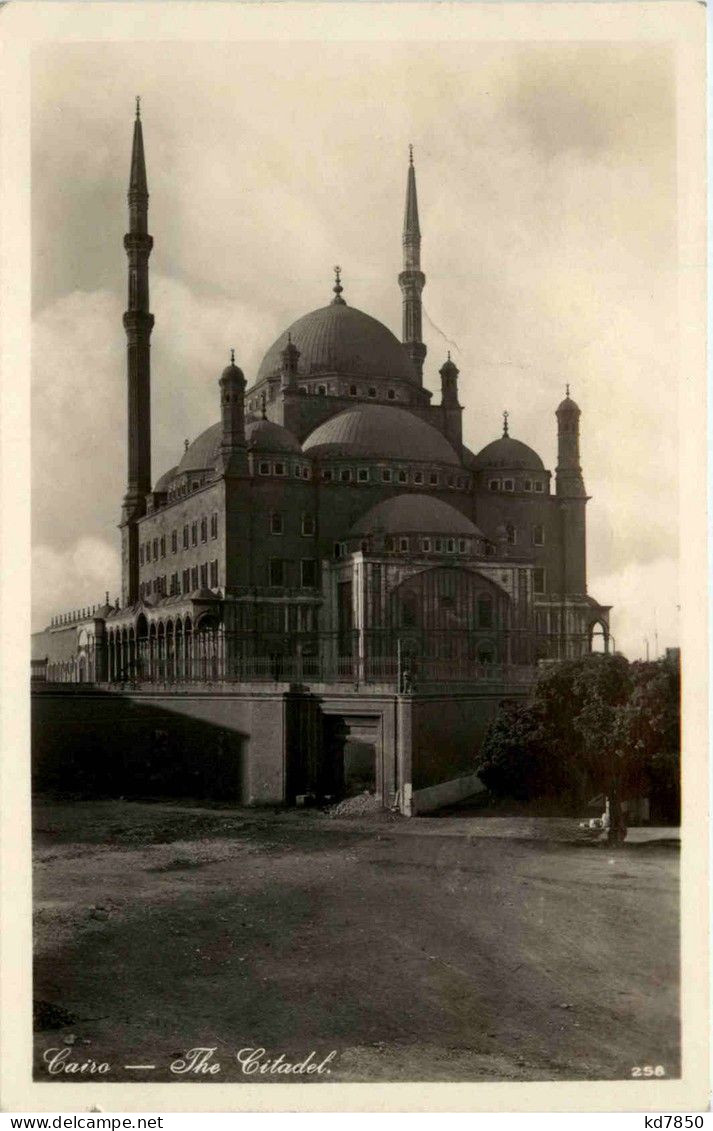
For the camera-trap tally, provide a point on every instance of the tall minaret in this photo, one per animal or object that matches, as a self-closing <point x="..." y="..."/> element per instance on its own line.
<point x="412" y="278"/>
<point x="138" y="323"/>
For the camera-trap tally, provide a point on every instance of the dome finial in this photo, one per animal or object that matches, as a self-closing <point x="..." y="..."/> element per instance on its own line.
<point x="232" y="355"/>
<point x="338" y="288"/>
<point x="410" y="154"/>
<point x="506" y="414"/>
<point x="566" y="389"/>
<point x="186" y="445"/>
<point x="263" y="404"/>
<point x="138" y="105"/>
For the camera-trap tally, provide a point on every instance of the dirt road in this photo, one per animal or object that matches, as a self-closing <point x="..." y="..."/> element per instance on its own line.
<point x="410" y="953"/>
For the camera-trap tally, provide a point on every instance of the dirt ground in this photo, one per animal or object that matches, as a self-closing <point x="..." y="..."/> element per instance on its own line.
<point x="413" y="950"/>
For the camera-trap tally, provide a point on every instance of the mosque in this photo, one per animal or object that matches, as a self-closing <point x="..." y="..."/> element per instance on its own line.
<point x="332" y="535"/>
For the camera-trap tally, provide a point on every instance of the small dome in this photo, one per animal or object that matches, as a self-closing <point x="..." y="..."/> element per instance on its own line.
<point x="265" y="436"/>
<point x="340" y="339"/>
<point x="569" y="406"/>
<point x="380" y="431"/>
<point x="233" y="373"/>
<point x="415" y="514"/>
<point x="166" y="479"/>
<point x="510" y="454"/>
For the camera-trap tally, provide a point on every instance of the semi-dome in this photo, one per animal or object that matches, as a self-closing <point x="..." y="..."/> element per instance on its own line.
<point x="266" y="436"/>
<point x="415" y="514"/>
<point x="340" y="339"/>
<point x="381" y="432"/>
<point x="203" y="452"/>
<point x="166" y="479"/>
<point x="261" y="436"/>
<point x="510" y="454"/>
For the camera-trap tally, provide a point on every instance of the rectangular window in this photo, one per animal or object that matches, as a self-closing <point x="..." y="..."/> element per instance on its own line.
<point x="538" y="580"/>
<point x="438" y="546"/>
<point x="402" y="476"/>
<point x="204" y="530"/>
<point x="214" y="525"/>
<point x="433" y="478"/>
<point x="337" y="549"/>
<point x="510" y="534"/>
<point x="280" y="469"/>
<point x="372" y="392"/>
<point x="389" y="544"/>
<point x="186" y="581"/>
<point x="538" y="536"/>
<point x="155" y="549"/>
<point x="204" y="575"/>
<point x="494" y="485"/>
<point x="308" y="525"/>
<point x="508" y="485"/>
<point x="277" y="572"/>
<point x="462" y="546"/>
<point x="386" y="474"/>
<point x="539" y="486"/>
<point x="263" y="468"/>
<point x="363" y="475"/>
<point x="404" y="545"/>
<point x="528" y="484"/>
<point x="426" y="545"/>
<point x="485" y="612"/>
<point x="418" y="477"/>
<point x="214" y="574"/>
<point x="194" y="577"/>
<point x="163" y="546"/>
<point x="346" y="475"/>
<point x="174" y="584"/>
<point x="276" y="526"/>
<point x="308" y="573"/>
<point x="451" y="546"/>
<point x="185" y="537"/>
<point x="141" y="555"/>
<point x="194" y="534"/>
<point x="327" y="474"/>
<point x="174" y="541"/>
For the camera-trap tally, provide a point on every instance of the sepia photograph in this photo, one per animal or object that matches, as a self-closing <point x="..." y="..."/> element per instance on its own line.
<point x="356" y="589"/>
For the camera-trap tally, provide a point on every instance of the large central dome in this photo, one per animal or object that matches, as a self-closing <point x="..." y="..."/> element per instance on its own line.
<point x="340" y="339"/>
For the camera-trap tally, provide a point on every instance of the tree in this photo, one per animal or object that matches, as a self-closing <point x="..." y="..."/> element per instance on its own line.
<point x="510" y="760"/>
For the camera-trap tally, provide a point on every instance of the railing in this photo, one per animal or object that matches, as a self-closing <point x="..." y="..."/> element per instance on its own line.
<point x="214" y="656"/>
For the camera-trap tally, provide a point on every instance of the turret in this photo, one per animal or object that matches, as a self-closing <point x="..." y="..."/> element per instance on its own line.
<point x="138" y="324"/>
<point x="233" y="449"/>
<point x="450" y="408"/>
<point x="572" y="498"/>
<point x="289" y="357"/>
<point x="569" y="472"/>
<point x="412" y="280"/>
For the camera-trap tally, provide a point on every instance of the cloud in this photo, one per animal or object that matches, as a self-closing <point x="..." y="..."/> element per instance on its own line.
<point x="73" y="578"/>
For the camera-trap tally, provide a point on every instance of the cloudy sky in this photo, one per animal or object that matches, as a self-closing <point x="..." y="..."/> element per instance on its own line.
<point x="547" y="192"/>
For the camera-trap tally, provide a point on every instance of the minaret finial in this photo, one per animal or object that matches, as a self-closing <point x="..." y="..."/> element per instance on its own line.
<point x="449" y="355"/>
<point x="232" y="356"/>
<point x="186" y="445"/>
<point x="506" y="414"/>
<point x="410" y="154"/>
<point x="138" y="105"/>
<point x="338" y="288"/>
<point x="566" y="388"/>
<point x="263" y="405"/>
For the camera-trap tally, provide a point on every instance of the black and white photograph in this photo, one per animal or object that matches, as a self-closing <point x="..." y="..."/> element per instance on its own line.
<point x="357" y="605"/>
